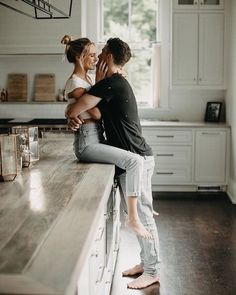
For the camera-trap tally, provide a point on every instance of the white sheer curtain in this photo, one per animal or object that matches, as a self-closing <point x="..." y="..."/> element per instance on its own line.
<point x="156" y="73"/>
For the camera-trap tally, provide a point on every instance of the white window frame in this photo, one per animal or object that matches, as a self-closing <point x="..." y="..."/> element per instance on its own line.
<point x="90" y="27"/>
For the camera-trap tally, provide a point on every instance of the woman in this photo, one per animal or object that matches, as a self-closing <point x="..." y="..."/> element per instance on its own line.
<point x="82" y="53"/>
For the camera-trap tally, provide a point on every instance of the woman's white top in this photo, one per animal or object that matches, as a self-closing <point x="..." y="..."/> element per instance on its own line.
<point x="73" y="83"/>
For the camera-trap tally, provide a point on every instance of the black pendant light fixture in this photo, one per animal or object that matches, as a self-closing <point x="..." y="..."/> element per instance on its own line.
<point x="42" y="9"/>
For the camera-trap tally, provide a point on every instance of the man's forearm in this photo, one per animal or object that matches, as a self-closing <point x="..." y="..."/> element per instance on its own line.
<point x="84" y="103"/>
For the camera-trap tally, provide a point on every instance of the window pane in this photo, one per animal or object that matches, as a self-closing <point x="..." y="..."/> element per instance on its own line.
<point x="135" y="21"/>
<point x="116" y="19"/>
<point x="139" y="76"/>
<point x="143" y="20"/>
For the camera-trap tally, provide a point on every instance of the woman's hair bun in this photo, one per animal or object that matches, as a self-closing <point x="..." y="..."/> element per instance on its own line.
<point x="66" y="39"/>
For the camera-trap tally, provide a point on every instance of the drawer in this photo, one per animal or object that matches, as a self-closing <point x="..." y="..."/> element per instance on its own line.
<point x="172" y="155"/>
<point x="172" y="175"/>
<point x="174" y="137"/>
<point x="97" y="256"/>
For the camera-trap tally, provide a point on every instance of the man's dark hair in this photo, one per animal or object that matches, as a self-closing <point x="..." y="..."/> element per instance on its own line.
<point x="120" y="51"/>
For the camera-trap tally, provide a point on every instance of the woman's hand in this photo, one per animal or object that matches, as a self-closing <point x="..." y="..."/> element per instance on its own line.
<point x="74" y="123"/>
<point x="101" y="71"/>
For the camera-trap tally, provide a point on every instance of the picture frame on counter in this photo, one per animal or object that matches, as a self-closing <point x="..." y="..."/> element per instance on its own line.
<point x="213" y="111"/>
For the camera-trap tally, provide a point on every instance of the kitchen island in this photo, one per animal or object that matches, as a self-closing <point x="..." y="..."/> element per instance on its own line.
<point x="49" y="218"/>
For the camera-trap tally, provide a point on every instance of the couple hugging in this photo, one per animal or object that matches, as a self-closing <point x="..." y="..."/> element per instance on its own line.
<point x="110" y="104"/>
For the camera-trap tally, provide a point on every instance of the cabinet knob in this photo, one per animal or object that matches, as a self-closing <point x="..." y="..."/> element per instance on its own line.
<point x="108" y="282"/>
<point x="95" y="254"/>
<point x="200" y="79"/>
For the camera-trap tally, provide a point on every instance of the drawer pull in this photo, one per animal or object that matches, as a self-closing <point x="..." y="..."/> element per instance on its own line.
<point x="165" y="173"/>
<point x="210" y="133"/>
<point x="100" y="274"/>
<point x="165" y="136"/>
<point x="165" y="155"/>
<point x="100" y="234"/>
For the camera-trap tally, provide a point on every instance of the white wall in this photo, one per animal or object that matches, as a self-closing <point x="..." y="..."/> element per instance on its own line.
<point x="231" y="97"/>
<point x="20" y="34"/>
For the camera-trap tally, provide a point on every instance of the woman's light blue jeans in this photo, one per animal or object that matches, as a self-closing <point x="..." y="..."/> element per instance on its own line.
<point x="88" y="148"/>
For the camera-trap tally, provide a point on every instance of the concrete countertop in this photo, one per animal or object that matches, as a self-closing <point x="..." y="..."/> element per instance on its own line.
<point x="156" y="123"/>
<point x="48" y="218"/>
<point x="61" y="123"/>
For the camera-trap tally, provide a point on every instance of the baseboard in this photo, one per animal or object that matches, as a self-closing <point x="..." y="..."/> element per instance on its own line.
<point x="174" y="188"/>
<point x="231" y="191"/>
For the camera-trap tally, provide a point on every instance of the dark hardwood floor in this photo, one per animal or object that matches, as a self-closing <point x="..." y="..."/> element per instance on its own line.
<point x="197" y="244"/>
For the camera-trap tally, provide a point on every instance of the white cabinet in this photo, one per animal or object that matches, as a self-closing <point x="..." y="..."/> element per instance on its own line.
<point x="188" y="158"/>
<point x="112" y="246"/>
<point x="185" y="49"/>
<point x="90" y="281"/>
<point x="198" y="4"/>
<point x="173" y="155"/>
<point x="211" y="49"/>
<point x="198" y="50"/>
<point x="97" y="273"/>
<point x="210" y="156"/>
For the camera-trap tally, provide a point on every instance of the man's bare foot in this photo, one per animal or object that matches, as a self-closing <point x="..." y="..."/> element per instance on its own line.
<point x="143" y="281"/>
<point x="137" y="269"/>
<point x="136" y="226"/>
<point x="155" y="213"/>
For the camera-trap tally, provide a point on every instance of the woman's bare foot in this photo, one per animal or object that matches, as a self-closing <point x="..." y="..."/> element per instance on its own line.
<point x="137" y="269"/>
<point x="136" y="226"/>
<point x="143" y="281"/>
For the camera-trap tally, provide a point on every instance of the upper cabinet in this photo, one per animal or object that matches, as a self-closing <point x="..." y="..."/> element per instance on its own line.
<point x="198" y="48"/>
<point x="198" y="4"/>
<point x="211" y="49"/>
<point x="185" y="49"/>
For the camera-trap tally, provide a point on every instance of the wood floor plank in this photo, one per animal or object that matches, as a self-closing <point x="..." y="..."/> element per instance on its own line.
<point x="197" y="245"/>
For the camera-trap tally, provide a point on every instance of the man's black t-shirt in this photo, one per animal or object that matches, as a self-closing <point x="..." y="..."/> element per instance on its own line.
<point x="120" y="114"/>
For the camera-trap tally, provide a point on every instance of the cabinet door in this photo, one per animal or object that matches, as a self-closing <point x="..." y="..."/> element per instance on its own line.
<point x="211" y="54"/>
<point x="210" y="156"/>
<point x="185" y="48"/>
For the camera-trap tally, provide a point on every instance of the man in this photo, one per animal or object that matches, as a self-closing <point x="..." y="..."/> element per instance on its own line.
<point x="118" y="106"/>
